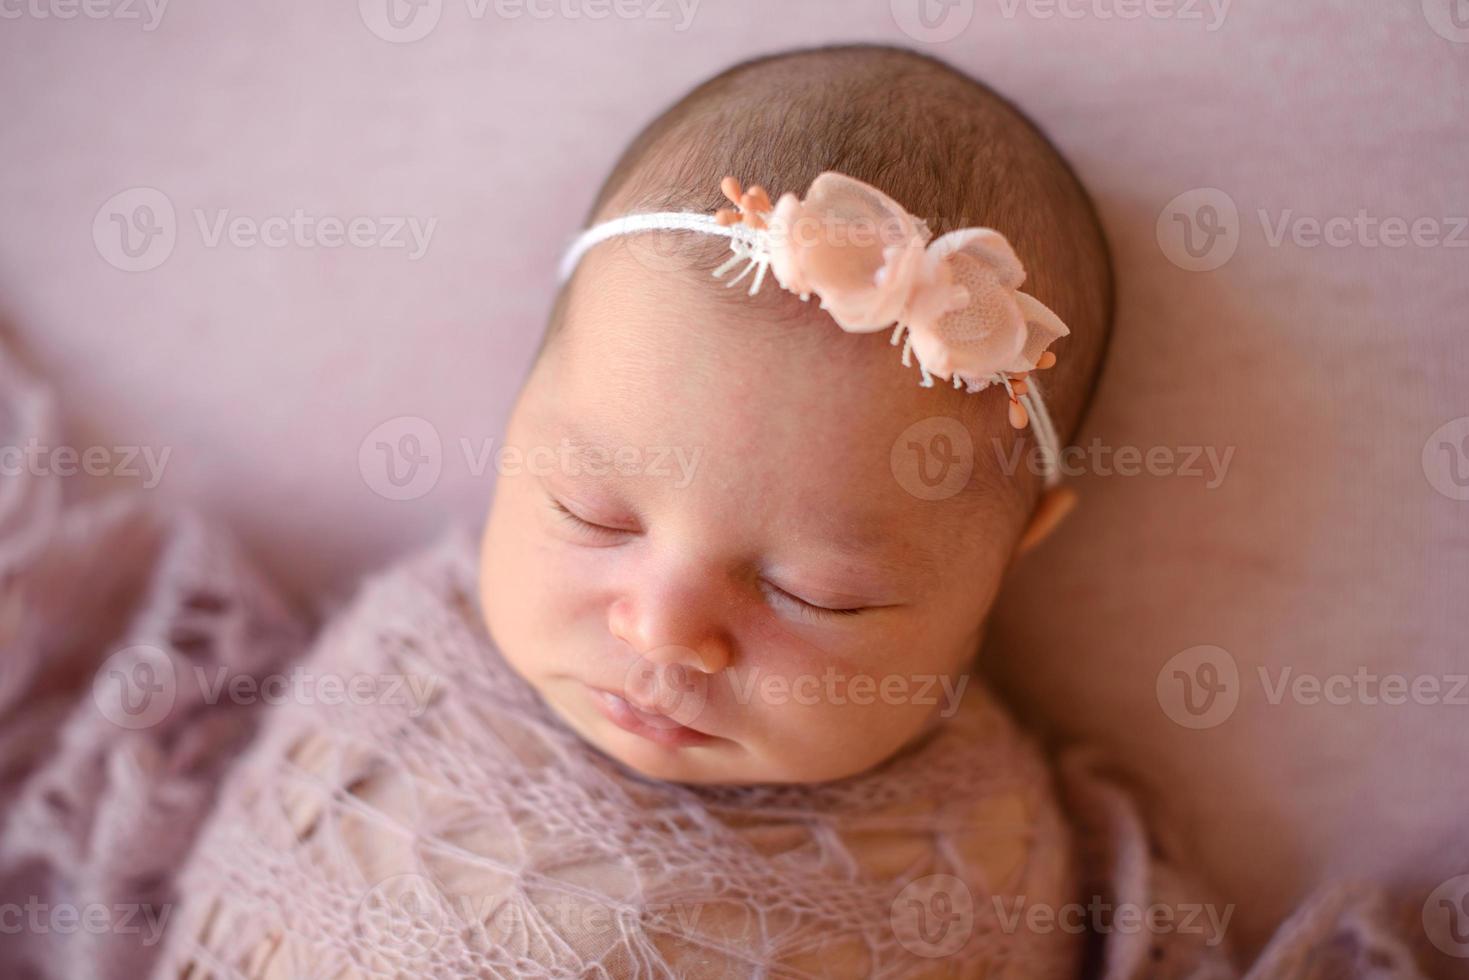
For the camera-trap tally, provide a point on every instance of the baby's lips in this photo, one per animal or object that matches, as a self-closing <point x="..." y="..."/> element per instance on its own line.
<point x="663" y="685"/>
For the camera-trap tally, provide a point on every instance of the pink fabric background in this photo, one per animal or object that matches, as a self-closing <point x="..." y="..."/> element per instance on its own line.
<point x="1325" y="549"/>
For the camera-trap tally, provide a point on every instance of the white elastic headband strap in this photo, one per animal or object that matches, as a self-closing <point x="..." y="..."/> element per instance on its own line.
<point x="631" y="223"/>
<point x="628" y="224"/>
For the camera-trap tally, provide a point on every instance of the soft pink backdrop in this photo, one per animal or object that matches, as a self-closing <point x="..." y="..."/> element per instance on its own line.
<point x="1326" y="548"/>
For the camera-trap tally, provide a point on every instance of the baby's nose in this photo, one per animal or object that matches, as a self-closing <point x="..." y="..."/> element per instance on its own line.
<point x="668" y="632"/>
<point x="709" y="657"/>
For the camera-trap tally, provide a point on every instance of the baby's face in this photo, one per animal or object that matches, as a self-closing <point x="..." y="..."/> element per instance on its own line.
<point x="706" y="564"/>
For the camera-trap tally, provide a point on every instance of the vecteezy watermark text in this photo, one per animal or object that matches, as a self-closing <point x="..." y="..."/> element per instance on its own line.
<point x="1363" y="686"/>
<point x="1211" y="13"/>
<point x="1200" y="229"/>
<point x="38" y="917"/>
<point x="304" y="687"/>
<point x="138" y="686"/>
<point x="404" y="457"/>
<point x="36" y="458"/>
<point x="1101" y="917"/>
<point x="137" y="229"/>
<point x="1202" y="686"/>
<point x="934" y="917"/>
<point x="149" y="12"/>
<point x="1208" y="463"/>
<point x="661" y="682"/>
<point x="406" y="21"/>
<point x="301" y="229"/>
<point x="832" y="687"/>
<point x="1364" y="230"/>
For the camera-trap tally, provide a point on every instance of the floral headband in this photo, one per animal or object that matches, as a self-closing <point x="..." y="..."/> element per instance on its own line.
<point x="953" y="301"/>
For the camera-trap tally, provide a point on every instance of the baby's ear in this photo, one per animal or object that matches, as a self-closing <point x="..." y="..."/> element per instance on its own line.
<point x="1050" y="511"/>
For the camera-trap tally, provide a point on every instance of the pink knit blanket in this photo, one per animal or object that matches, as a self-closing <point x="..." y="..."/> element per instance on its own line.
<point x="191" y="786"/>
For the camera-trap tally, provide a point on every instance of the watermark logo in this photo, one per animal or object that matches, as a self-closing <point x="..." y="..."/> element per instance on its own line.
<point x="402" y="458"/>
<point x="1209" y="464"/>
<point x="1210" y="13"/>
<point x="401" y="21"/>
<point x="933" y="917"/>
<point x="1101" y="917"/>
<point x="1202" y="686"/>
<point x="1446" y="917"/>
<point x="135" y="687"/>
<point x="663" y="685"/>
<point x="406" y="913"/>
<point x="1199" y="687"/>
<point x="411" y="692"/>
<point x="37" y="917"/>
<point x="1363" y="686"/>
<point x="942" y="692"/>
<point x="302" y="229"/>
<point x="933" y="458"/>
<point x="676" y="464"/>
<point x="1199" y="229"/>
<point x="1363" y="230"/>
<point x="406" y="21"/>
<point x="39" y="459"/>
<point x="135" y="230"/>
<point x="148" y="12"/>
<point x="1448" y="18"/>
<point x="1446" y="459"/>
<point x="932" y="21"/>
<point x="680" y="13"/>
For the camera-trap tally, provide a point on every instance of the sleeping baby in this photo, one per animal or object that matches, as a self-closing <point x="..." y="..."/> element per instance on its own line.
<point x="720" y="725"/>
<point x="807" y="552"/>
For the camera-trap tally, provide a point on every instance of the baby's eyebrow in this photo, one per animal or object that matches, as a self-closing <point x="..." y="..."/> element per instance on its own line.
<point x="588" y="452"/>
<point x="862" y="544"/>
<point x="573" y="440"/>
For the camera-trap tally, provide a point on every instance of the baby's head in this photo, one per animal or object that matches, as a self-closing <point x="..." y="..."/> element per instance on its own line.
<point x="723" y="516"/>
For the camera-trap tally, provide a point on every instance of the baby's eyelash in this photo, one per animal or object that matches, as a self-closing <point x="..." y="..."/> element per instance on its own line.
<point x="809" y="610"/>
<point x="582" y="524"/>
<point x="804" y="608"/>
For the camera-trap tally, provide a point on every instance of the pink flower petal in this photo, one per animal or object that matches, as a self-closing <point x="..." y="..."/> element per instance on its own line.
<point x="1042" y="329"/>
<point x="858" y="250"/>
<point x="984" y="245"/>
<point x="786" y="223"/>
<point x="978" y="340"/>
<point x="852" y="202"/>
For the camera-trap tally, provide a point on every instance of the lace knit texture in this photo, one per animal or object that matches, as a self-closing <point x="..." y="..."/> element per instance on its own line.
<point x="469" y="833"/>
<point x="98" y="808"/>
<point x="458" y="830"/>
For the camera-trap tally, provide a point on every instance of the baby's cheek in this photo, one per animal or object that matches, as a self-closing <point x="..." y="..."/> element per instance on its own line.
<point x="834" y="731"/>
<point x="519" y="572"/>
<point x="522" y="558"/>
<point x="848" y="645"/>
<point x="830" y="703"/>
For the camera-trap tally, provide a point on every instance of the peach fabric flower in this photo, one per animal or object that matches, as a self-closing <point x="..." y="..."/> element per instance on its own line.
<point x="852" y="246"/>
<point x="968" y="317"/>
<point x="871" y="264"/>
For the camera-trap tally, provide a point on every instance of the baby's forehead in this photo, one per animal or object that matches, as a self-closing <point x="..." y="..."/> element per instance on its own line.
<point x="768" y="362"/>
<point x="782" y="403"/>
